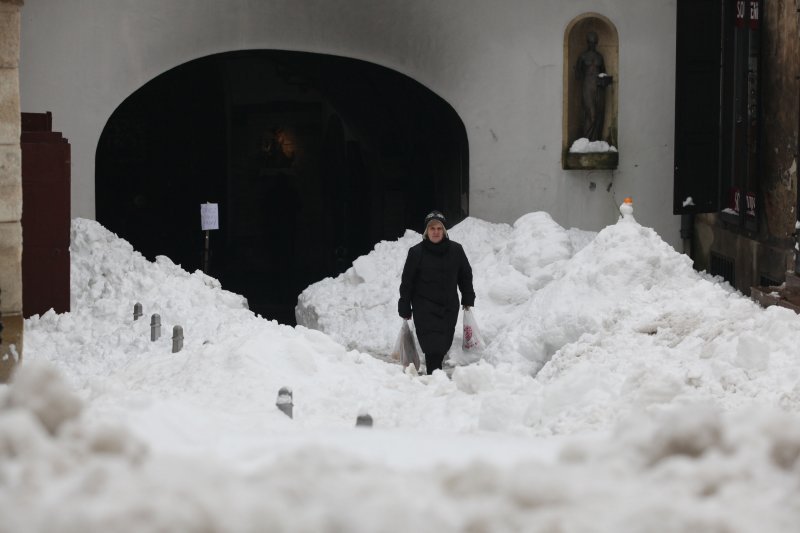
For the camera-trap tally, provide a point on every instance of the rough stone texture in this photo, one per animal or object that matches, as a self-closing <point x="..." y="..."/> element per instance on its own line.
<point x="11" y="268"/>
<point x="10" y="183"/>
<point x="781" y="101"/>
<point x="10" y="191"/>
<point x="9" y="36"/>
<point x="11" y="345"/>
<point x="770" y="252"/>
<point x="9" y="106"/>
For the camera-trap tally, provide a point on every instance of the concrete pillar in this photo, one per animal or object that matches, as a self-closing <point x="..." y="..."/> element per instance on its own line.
<point x="10" y="190"/>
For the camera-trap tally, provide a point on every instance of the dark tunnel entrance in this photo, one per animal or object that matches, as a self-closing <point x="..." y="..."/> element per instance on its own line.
<point x="312" y="159"/>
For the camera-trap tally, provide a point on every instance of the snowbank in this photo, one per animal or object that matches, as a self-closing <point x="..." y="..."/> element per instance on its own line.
<point x="621" y="391"/>
<point x="694" y="470"/>
<point x="621" y="324"/>
<point x="359" y="307"/>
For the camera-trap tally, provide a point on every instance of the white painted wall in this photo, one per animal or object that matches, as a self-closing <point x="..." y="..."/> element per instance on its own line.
<point x="499" y="64"/>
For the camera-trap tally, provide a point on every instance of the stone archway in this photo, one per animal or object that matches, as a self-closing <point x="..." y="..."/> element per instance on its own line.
<point x="312" y="158"/>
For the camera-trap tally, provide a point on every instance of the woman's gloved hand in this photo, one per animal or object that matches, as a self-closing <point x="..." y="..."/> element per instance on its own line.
<point x="404" y="309"/>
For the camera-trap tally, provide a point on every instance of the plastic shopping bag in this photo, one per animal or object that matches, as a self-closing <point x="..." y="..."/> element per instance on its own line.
<point x="405" y="349"/>
<point x="473" y="341"/>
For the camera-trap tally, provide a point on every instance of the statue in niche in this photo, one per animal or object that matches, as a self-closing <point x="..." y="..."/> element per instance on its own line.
<point x="590" y="70"/>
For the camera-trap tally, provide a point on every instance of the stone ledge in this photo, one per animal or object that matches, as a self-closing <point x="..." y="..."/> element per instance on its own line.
<point x="781" y="296"/>
<point x="590" y="160"/>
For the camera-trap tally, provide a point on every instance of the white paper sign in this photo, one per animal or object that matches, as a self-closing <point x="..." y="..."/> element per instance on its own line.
<point x="209" y="216"/>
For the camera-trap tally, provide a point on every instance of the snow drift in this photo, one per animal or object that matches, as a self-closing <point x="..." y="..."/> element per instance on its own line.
<point x="621" y="390"/>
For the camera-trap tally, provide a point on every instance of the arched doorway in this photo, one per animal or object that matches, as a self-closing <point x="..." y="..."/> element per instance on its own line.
<point x="311" y="158"/>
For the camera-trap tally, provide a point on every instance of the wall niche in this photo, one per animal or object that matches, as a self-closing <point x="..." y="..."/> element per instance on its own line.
<point x="590" y="106"/>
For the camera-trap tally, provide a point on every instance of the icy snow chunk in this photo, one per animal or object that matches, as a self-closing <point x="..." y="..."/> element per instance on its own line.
<point x="498" y="414"/>
<point x="537" y="241"/>
<point x="687" y="431"/>
<point x="39" y="388"/>
<point x="751" y="354"/>
<point x="511" y="288"/>
<point x="474" y="378"/>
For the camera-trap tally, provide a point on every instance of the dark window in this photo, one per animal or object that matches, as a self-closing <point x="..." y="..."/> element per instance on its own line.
<point x="697" y="106"/>
<point x="739" y="136"/>
<point x="716" y="109"/>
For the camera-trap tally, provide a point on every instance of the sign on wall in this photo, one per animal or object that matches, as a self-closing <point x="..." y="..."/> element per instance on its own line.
<point x="209" y="216"/>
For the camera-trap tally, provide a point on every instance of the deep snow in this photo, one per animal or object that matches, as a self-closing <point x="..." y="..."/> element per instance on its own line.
<point x="620" y="391"/>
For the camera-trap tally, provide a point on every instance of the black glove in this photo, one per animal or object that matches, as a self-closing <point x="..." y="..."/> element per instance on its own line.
<point x="404" y="309"/>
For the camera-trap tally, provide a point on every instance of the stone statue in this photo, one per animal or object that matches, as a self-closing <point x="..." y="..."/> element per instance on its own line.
<point x="590" y="70"/>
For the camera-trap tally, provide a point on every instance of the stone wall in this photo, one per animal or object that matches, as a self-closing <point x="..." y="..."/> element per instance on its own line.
<point x="499" y="66"/>
<point x="10" y="190"/>
<point x="780" y="51"/>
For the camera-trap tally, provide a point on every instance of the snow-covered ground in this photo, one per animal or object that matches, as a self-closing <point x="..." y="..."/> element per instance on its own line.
<point x="620" y="390"/>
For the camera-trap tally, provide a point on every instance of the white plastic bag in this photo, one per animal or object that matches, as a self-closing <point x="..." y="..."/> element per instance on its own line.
<point x="405" y="349"/>
<point x="473" y="341"/>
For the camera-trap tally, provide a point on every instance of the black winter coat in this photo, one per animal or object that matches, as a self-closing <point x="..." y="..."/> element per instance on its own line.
<point x="428" y="290"/>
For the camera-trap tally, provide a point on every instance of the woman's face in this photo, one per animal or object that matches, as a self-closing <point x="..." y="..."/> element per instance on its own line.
<point x="435" y="232"/>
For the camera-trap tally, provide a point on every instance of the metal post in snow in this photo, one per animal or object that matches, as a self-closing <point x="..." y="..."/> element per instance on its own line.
<point x="177" y="339"/>
<point x="137" y="311"/>
<point x="155" y="327"/>
<point x="364" y="420"/>
<point x="285" y="401"/>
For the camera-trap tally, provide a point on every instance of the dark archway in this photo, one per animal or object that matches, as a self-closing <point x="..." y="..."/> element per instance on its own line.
<point x="311" y="158"/>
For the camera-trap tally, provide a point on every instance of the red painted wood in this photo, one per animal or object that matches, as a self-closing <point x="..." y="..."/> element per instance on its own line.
<point x="45" y="216"/>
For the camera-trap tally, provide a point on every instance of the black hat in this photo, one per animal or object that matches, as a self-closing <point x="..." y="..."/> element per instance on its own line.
<point x="435" y="215"/>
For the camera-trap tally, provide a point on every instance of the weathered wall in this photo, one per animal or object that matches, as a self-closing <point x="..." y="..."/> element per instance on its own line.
<point x="769" y="252"/>
<point x="781" y="116"/>
<point x="499" y="64"/>
<point x="10" y="189"/>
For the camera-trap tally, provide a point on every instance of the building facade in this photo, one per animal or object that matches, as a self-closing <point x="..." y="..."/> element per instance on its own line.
<point x="383" y="110"/>
<point x="500" y="66"/>
<point x="737" y="121"/>
<point x="10" y="190"/>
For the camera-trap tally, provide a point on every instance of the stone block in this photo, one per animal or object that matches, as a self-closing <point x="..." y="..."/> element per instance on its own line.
<point x="11" y="267"/>
<point x="10" y="183"/>
<point x="9" y="36"/>
<point x="10" y="345"/>
<point x="9" y="106"/>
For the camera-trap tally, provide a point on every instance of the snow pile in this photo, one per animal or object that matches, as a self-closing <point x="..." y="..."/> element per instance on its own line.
<point x="663" y="401"/>
<point x="107" y="278"/>
<point x="219" y="392"/>
<point x="623" y="324"/>
<point x="359" y="307"/>
<point x="691" y="470"/>
<point x="584" y="145"/>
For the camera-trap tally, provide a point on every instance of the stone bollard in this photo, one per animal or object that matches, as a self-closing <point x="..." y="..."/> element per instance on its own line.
<point x="285" y="401"/>
<point x="364" y="420"/>
<point x="137" y="311"/>
<point x="177" y="339"/>
<point x="155" y="327"/>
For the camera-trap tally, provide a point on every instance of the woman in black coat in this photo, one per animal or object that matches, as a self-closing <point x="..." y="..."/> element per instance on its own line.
<point x="433" y="270"/>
